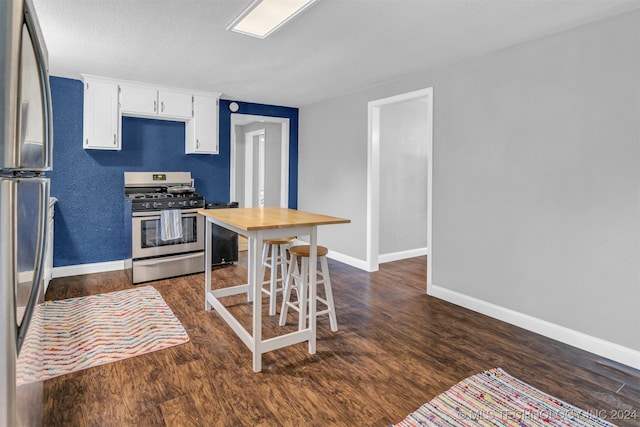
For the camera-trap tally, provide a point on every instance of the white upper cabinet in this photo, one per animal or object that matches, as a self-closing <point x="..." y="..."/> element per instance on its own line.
<point x="101" y="124"/>
<point x="145" y="101"/>
<point x="106" y="101"/>
<point x="138" y="100"/>
<point x="202" y="131"/>
<point x="175" y="104"/>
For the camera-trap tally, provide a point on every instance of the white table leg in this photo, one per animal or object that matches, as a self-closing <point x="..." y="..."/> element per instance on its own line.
<point x="251" y="261"/>
<point x="313" y="275"/>
<point x="256" y="275"/>
<point x="207" y="263"/>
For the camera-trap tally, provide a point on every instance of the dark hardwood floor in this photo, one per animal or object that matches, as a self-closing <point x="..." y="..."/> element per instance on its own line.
<point x="396" y="349"/>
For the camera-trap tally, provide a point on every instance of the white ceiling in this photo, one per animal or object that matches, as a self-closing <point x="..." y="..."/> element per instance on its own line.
<point x="333" y="48"/>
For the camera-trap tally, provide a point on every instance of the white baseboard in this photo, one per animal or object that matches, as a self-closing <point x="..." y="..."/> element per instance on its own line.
<point x="98" y="267"/>
<point x="607" y="349"/>
<point x="345" y="259"/>
<point x="397" y="256"/>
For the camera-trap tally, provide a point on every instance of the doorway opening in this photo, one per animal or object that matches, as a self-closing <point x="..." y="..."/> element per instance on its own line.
<point x="254" y="192"/>
<point x="399" y="199"/>
<point x="259" y="163"/>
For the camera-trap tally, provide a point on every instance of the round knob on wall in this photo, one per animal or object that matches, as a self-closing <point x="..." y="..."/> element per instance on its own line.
<point x="234" y="107"/>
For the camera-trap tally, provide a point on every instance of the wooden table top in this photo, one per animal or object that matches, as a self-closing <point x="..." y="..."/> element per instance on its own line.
<point x="251" y="219"/>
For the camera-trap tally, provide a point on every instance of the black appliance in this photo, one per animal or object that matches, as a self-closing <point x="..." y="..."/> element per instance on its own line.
<point x="224" y="243"/>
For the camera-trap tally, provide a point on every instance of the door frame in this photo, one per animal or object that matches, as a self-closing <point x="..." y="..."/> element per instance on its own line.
<point x="243" y="119"/>
<point x="373" y="176"/>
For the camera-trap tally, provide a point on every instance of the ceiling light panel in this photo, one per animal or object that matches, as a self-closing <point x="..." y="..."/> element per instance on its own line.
<point x="262" y="17"/>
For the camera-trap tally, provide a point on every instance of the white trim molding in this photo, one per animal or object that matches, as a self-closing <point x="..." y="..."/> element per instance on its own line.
<point x="98" y="267"/>
<point x="346" y="259"/>
<point x="396" y="256"/>
<point x="340" y="257"/>
<point x="613" y="351"/>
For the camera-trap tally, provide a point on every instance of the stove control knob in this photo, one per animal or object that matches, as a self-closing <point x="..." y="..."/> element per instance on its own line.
<point x="145" y="205"/>
<point x="155" y="204"/>
<point x="192" y="202"/>
<point x="170" y="204"/>
<point x="183" y="203"/>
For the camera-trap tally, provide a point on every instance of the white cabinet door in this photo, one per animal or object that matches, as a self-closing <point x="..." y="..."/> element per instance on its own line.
<point x="138" y="100"/>
<point x="202" y="130"/>
<point x="101" y="116"/>
<point x="175" y="104"/>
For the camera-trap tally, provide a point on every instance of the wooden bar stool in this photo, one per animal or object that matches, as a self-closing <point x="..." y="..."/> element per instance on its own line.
<point x="274" y="255"/>
<point x="298" y="279"/>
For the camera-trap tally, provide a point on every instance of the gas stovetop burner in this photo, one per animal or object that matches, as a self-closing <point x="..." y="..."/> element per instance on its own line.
<point x="159" y="201"/>
<point x="159" y="195"/>
<point x="155" y="191"/>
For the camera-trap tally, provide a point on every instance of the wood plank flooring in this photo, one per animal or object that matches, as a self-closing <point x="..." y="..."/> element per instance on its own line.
<point x="396" y="349"/>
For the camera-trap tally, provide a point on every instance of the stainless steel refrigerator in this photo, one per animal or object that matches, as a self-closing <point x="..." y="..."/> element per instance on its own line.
<point x="25" y="155"/>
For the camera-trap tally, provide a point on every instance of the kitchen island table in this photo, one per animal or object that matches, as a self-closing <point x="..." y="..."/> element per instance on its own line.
<point x="259" y="224"/>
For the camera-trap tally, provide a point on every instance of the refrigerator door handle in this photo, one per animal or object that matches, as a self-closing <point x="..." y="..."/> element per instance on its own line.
<point x="39" y="263"/>
<point x="47" y="159"/>
<point x="43" y="72"/>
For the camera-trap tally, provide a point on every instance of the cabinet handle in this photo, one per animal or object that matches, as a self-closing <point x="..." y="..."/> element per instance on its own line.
<point x="155" y="106"/>
<point x="197" y="144"/>
<point x="162" y="106"/>
<point x="114" y="139"/>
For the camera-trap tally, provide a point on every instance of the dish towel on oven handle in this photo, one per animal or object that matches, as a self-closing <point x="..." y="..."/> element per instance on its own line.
<point x="170" y="224"/>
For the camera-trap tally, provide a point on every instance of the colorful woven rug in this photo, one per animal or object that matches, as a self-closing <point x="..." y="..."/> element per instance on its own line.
<point x="494" y="398"/>
<point x="80" y="333"/>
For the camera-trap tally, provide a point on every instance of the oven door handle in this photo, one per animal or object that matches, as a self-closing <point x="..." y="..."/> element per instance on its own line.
<point x="193" y="255"/>
<point x="159" y="260"/>
<point x="186" y="213"/>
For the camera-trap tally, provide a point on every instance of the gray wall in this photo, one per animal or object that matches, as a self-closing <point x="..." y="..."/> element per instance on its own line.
<point x="403" y="176"/>
<point x="536" y="204"/>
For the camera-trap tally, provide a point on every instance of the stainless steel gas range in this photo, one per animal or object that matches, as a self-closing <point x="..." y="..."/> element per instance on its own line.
<point x="164" y="235"/>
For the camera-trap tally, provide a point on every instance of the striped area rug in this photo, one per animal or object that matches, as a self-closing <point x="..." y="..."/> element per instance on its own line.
<point x="80" y="333"/>
<point x="494" y="398"/>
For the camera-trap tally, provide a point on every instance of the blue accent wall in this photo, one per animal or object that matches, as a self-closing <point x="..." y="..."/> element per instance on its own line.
<point x="89" y="184"/>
